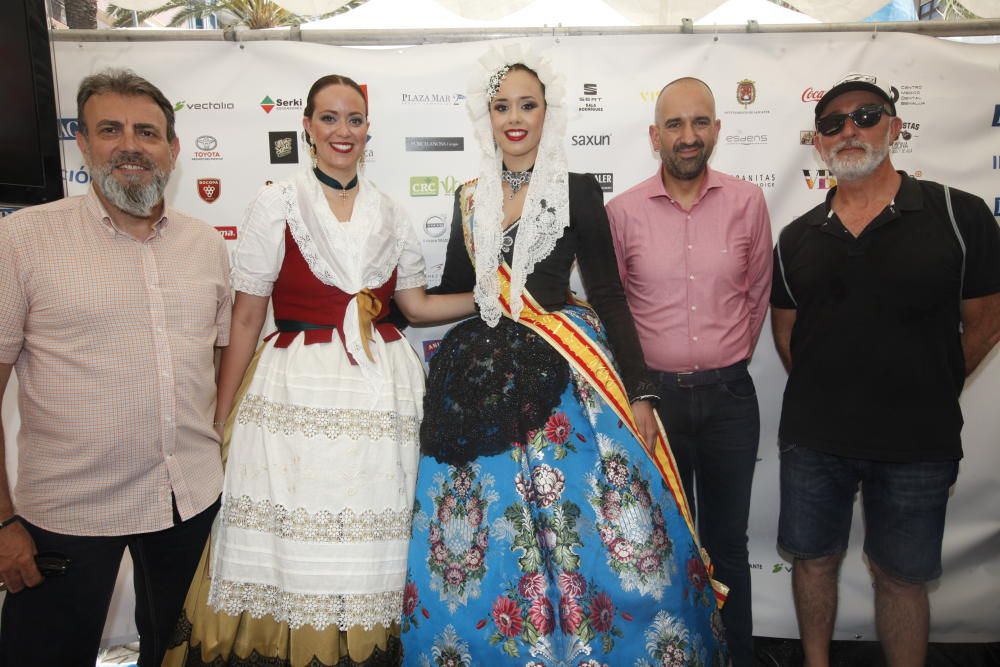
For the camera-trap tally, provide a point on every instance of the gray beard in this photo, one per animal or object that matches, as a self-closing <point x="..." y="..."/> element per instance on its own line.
<point x="132" y="198"/>
<point x="856" y="170"/>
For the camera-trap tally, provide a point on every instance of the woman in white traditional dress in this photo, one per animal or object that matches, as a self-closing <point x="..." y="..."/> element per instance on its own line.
<point x="308" y="557"/>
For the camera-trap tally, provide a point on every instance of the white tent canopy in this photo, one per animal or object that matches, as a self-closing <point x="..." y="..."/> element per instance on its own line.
<point x="733" y="12"/>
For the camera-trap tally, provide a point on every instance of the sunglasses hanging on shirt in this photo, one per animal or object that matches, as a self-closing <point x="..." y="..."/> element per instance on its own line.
<point x="867" y="116"/>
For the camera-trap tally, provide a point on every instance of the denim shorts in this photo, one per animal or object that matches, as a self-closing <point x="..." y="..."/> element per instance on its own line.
<point x="904" y="509"/>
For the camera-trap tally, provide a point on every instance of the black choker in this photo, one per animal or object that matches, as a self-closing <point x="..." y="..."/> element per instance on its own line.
<point x="334" y="183"/>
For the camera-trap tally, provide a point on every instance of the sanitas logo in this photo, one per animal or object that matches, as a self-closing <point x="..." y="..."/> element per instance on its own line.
<point x="423" y="186"/>
<point x="68" y="128"/>
<point x="446" y="99"/>
<point x="823" y="179"/>
<point x="760" y="179"/>
<point x="268" y="104"/>
<point x="204" y="106"/>
<point x="746" y="139"/>
<point x="591" y="140"/>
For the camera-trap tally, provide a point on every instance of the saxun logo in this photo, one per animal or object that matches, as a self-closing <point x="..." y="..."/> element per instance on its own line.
<point x="591" y="140"/>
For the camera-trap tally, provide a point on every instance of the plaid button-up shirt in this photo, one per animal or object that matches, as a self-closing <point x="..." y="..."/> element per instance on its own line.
<point x="112" y="340"/>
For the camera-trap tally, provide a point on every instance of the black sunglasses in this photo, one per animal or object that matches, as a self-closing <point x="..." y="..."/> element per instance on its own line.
<point x="867" y="116"/>
<point x="49" y="564"/>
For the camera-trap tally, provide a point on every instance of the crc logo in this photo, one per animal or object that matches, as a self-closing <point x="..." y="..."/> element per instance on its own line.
<point x="746" y="92"/>
<point x="591" y="140"/>
<point x="823" y="179"/>
<point x="996" y="116"/>
<point x="228" y="233"/>
<point x="811" y="95"/>
<point x="430" y="186"/>
<point x="424" y="186"/>
<point x="68" y="128"/>
<point x="435" y="226"/>
<point x="606" y="181"/>
<point x="210" y="189"/>
<point x="283" y="147"/>
<point x="206" y="142"/>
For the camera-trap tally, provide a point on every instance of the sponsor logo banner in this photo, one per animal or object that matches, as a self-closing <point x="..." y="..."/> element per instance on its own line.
<point x="429" y="186"/>
<point x="591" y="140"/>
<point x="439" y="99"/>
<point x="745" y="139"/>
<point x="819" y="179"/>
<point x="806" y="137"/>
<point x="812" y="95"/>
<point x="746" y="96"/>
<point x="210" y="189"/>
<point x="205" y="148"/>
<point x="435" y="226"/>
<point x="908" y="95"/>
<point x="761" y="179"/>
<point x="228" y="233"/>
<point x="68" y="128"/>
<point x="590" y="101"/>
<point x="907" y="135"/>
<point x="218" y="105"/>
<point x="435" y="144"/>
<point x="606" y="181"/>
<point x="283" y="147"/>
<point x="269" y="104"/>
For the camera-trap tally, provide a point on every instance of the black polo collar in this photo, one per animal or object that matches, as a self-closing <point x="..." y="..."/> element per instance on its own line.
<point x="909" y="197"/>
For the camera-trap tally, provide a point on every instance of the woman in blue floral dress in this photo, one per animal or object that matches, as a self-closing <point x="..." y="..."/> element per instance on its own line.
<point x="544" y="532"/>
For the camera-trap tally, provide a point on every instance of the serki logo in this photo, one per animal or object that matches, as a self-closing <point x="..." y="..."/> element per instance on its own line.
<point x="823" y="180"/>
<point x="209" y="189"/>
<point x="267" y="104"/>
<point x="811" y="95"/>
<point x="746" y="92"/>
<point x="228" y="233"/>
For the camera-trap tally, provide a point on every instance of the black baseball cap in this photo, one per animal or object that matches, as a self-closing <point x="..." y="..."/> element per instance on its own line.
<point x="856" y="81"/>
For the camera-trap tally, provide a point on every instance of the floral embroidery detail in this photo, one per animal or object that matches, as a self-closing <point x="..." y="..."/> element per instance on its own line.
<point x="547" y="484"/>
<point x="555" y="532"/>
<point x="411" y="598"/>
<point x="298" y="609"/>
<point x="668" y="644"/>
<point x="532" y="585"/>
<point x="448" y="651"/>
<point x="700" y="588"/>
<point x="507" y="616"/>
<point x="331" y="423"/>
<point x="632" y="528"/>
<point x="458" y="533"/>
<point x="557" y="428"/>
<point x="298" y="524"/>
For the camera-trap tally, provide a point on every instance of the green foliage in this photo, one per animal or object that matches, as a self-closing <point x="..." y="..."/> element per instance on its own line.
<point x="252" y="14"/>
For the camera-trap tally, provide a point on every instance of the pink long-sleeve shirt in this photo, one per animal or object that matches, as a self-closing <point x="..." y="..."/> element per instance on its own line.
<point x="697" y="280"/>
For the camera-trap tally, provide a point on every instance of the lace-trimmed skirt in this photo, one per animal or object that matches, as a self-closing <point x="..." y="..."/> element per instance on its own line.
<point x="307" y="560"/>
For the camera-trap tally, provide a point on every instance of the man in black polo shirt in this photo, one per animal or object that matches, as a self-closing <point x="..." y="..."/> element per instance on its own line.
<point x="885" y="297"/>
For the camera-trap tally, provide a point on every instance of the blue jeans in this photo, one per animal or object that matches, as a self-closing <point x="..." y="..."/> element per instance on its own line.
<point x="60" y="621"/>
<point x="904" y="509"/>
<point x="713" y="424"/>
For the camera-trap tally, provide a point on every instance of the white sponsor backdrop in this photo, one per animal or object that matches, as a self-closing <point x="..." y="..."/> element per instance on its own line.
<point x="948" y="93"/>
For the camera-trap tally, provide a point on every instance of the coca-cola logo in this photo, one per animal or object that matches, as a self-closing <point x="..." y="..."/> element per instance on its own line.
<point x="810" y="95"/>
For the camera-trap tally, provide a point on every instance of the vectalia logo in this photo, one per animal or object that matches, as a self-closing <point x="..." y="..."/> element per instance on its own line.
<point x="204" y="106"/>
<point x="267" y="104"/>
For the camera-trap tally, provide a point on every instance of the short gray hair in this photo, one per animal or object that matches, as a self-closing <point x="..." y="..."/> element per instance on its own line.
<point x="123" y="82"/>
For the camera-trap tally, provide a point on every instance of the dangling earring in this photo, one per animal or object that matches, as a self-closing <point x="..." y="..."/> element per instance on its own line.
<point x="312" y="153"/>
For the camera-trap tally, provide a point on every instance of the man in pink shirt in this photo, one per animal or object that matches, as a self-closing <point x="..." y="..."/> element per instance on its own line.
<point x="694" y="253"/>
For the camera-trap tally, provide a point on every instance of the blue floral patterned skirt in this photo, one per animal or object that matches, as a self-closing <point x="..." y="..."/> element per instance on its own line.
<point x="565" y="549"/>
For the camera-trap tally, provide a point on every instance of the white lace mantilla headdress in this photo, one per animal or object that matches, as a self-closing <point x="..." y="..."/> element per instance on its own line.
<point x="546" y="208"/>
